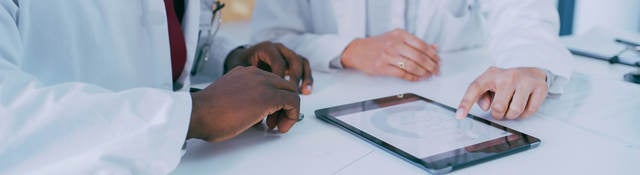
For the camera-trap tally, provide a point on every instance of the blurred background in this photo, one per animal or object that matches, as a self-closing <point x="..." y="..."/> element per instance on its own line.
<point x="577" y="16"/>
<point x="236" y="18"/>
<point x="237" y="10"/>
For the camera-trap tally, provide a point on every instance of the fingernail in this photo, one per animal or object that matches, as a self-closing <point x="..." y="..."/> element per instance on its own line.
<point x="459" y="114"/>
<point x="306" y="90"/>
<point x="309" y="87"/>
<point x="483" y="104"/>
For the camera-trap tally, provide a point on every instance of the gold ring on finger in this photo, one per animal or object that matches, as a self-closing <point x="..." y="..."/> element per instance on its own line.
<point x="402" y="65"/>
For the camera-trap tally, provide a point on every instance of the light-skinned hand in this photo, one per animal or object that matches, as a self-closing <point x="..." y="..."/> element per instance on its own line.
<point x="509" y="93"/>
<point x="396" y="53"/>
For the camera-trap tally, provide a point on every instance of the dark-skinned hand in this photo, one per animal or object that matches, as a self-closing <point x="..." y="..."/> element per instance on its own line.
<point x="240" y="99"/>
<point x="274" y="58"/>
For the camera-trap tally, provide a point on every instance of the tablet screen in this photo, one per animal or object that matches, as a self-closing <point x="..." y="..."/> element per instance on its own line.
<point x="422" y="129"/>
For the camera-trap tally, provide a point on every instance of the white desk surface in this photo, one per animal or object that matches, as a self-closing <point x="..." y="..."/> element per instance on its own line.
<point x="594" y="128"/>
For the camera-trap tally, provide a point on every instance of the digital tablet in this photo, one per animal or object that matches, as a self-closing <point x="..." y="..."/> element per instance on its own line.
<point x="426" y="133"/>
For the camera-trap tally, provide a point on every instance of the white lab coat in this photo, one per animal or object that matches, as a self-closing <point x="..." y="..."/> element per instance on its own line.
<point x="86" y="86"/>
<point x="517" y="33"/>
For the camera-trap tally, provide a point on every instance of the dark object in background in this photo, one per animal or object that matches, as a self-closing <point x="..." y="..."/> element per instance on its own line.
<point x="633" y="77"/>
<point x="566" y="11"/>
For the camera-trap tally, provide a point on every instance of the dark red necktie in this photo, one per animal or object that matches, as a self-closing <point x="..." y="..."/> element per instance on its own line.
<point x="176" y="40"/>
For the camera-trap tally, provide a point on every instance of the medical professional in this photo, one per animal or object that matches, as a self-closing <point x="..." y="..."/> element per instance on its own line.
<point x="402" y="38"/>
<point x="102" y="87"/>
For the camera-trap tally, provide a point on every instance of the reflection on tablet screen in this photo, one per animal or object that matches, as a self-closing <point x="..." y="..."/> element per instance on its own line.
<point x="422" y="129"/>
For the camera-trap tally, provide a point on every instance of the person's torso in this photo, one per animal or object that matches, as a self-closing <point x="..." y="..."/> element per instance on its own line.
<point x="116" y="44"/>
<point x="451" y="24"/>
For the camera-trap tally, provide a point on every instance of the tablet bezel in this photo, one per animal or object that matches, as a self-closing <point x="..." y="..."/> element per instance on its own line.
<point x="439" y="163"/>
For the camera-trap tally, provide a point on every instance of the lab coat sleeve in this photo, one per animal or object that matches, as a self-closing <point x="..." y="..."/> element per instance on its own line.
<point x="524" y="33"/>
<point x="289" y="22"/>
<point x="79" y="128"/>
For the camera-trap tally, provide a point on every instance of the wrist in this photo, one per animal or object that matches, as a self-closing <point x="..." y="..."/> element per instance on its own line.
<point x="540" y="74"/>
<point x="194" y="130"/>
<point x="347" y="54"/>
